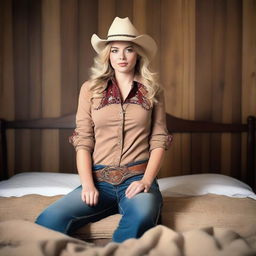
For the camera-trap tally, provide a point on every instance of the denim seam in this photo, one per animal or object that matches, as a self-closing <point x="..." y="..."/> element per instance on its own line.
<point x="121" y="209"/>
<point x="158" y="215"/>
<point x="119" y="206"/>
<point x="84" y="217"/>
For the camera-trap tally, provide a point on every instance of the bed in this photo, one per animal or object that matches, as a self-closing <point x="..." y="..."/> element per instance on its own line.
<point x="211" y="203"/>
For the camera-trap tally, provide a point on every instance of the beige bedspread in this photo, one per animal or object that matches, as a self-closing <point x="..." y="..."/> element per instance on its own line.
<point x="18" y="237"/>
<point x="179" y="213"/>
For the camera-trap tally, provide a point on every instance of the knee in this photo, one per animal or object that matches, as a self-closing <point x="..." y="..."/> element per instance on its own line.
<point x="144" y="210"/>
<point x="146" y="207"/>
<point x="143" y="218"/>
<point x="54" y="219"/>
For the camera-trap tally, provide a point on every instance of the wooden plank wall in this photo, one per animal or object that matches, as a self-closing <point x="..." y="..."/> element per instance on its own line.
<point x="206" y="60"/>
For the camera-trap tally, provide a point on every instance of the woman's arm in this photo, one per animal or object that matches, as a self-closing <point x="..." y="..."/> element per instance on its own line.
<point x="158" y="143"/>
<point x="153" y="167"/>
<point x="90" y="194"/>
<point x="83" y="140"/>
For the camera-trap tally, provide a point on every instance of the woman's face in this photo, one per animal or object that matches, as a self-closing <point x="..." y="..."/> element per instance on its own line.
<point x="123" y="57"/>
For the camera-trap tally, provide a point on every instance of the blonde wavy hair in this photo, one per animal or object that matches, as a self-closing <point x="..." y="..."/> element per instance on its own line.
<point x="102" y="71"/>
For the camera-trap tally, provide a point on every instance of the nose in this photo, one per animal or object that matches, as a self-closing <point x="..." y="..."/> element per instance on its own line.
<point x="122" y="55"/>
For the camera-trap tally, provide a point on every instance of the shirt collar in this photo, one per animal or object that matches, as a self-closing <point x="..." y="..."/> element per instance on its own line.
<point x="136" y="81"/>
<point x="112" y="95"/>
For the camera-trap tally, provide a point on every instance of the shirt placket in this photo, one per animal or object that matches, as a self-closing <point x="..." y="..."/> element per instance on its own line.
<point x="120" y="135"/>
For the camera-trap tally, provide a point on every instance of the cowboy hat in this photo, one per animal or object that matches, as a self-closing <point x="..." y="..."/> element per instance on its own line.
<point x="123" y="30"/>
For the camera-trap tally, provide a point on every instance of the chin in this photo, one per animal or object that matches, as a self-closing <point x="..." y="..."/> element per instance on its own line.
<point x="124" y="70"/>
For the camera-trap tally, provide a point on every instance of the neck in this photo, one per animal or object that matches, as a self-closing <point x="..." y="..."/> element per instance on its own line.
<point x="124" y="78"/>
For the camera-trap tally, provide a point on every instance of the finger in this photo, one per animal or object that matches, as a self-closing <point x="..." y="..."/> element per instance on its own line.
<point x="146" y="189"/>
<point x="128" y="190"/>
<point x="131" y="188"/>
<point x="87" y="199"/>
<point x="83" y="197"/>
<point x="135" y="191"/>
<point x="91" y="198"/>
<point x="95" y="198"/>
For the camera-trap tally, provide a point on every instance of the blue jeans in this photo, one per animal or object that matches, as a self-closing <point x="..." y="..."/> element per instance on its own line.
<point x="139" y="213"/>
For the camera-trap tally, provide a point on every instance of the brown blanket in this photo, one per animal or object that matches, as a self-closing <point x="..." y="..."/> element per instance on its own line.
<point x="18" y="237"/>
<point x="179" y="213"/>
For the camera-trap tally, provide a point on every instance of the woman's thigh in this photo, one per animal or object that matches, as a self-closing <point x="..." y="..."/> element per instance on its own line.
<point x="70" y="209"/>
<point x="142" y="204"/>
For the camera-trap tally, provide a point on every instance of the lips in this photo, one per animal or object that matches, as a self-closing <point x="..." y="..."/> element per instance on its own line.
<point x="122" y="64"/>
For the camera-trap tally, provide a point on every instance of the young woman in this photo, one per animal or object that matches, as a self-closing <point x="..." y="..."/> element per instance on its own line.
<point x="120" y="139"/>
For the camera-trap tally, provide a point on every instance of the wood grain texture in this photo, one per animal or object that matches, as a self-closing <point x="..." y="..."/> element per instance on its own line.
<point x="203" y="82"/>
<point x="87" y="25"/>
<point x="106" y="14"/>
<point x="69" y="74"/>
<point x="206" y="62"/>
<point x="171" y="72"/>
<point x="153" y="28"/>
<point x="21" y="81"/>
<point x="35" y="79"/>
<point x="178" y="55"/>
<point x="51" y="81"/>
<point x="140" y="15"/>
<point x="124" y="8"/>
<point x="7" y="102"/>
<point x="232" y="93"/>
<point x="188" y="77"/>
<point x="248" y="89"/>
<point x="218" y="76"/>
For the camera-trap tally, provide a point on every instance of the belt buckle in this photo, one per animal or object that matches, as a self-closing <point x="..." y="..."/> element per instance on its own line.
<point x="114" y="174"/>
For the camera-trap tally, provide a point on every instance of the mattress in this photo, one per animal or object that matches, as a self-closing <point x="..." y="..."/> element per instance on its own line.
<point x="190" y="202"/>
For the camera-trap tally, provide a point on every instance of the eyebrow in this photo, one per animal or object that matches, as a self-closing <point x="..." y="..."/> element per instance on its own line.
<point x="118" y="47"/>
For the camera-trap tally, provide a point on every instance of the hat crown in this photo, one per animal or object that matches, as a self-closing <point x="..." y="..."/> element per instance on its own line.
<point x="122" y="27"/>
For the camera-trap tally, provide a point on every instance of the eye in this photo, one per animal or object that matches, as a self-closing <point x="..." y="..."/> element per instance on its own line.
<point x="114" y="50"/>
<point x="130" y="49"/>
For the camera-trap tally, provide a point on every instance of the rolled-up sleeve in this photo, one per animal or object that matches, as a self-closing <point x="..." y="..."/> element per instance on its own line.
<point x="160" y="138"/>
<point x="83" y="136"/>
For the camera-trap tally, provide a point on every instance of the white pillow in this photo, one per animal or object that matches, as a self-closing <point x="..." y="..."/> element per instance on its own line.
<point x="202" y="184"/>
<point x="51" y="184"/>
<point x="42" y="183"/>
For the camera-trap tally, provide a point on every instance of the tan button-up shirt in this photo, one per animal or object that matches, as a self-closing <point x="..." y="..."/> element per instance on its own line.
<point x="116" y="132"/>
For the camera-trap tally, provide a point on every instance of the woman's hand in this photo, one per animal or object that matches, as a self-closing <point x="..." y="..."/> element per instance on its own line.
<point x="136" y="187"/>
<point x="90" y="195"/>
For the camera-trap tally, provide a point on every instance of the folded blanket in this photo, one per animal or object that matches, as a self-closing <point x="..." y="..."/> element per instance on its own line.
<point x="18" y="237"/>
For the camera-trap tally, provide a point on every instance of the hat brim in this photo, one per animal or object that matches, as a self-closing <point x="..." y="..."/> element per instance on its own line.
<point x="144" y="41"/>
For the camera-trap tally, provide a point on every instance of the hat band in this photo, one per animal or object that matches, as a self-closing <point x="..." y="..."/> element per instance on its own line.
<point x="122" y="35"/>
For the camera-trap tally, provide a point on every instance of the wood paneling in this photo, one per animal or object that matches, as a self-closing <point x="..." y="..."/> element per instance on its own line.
<point x="153" y="28"/>
<point x="86" y="27"/>
<point x="248" y="88"/>
<point x="69" y="74"/>
<point x="21" y="80"/>
<point x="7" y="102"/>
<point x="51" y="80"/>
<point x="124" y="8"/>
<point x="177" y="66"/>
<point x="35" y="79"/>
<point x="106" y="14"/>
<point x="217" y="93"/>
<point x="140" y="15"/>
<point x="206" y="61"/>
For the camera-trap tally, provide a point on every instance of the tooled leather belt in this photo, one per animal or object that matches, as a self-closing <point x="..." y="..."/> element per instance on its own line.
<point x="115" y="175"/>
